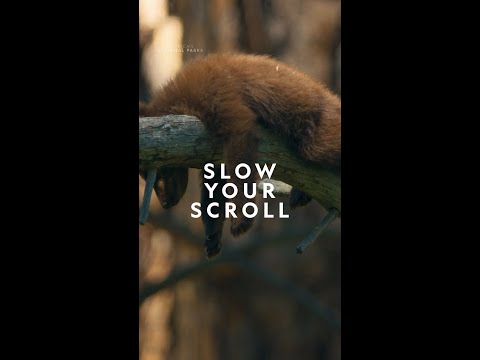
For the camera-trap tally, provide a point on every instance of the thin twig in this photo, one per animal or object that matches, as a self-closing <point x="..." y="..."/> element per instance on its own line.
<point x="327" y="220"/>
<point x="182" y="273"/>
<point x="147" y="194"/>
<point x="177" y="275"/>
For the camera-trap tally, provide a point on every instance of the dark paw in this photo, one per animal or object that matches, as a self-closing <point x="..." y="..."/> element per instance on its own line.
<point x="212" y="246"/>
<point x="298" y="198"/>
<point x="167" y="204"/>
<point x="240" y="225"/>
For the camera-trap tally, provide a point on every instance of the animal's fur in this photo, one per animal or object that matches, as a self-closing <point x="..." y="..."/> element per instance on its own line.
<point x="230" y="93"/>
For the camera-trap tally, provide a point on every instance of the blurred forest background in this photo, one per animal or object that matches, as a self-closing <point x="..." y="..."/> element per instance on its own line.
<point x="264" y="301"/>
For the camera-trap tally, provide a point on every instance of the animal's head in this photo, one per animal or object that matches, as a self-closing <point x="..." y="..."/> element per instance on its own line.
<point x="170" y="185"/>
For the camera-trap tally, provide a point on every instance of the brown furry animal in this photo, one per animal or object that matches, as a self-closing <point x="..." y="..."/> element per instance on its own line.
<point x="230" y="94"/>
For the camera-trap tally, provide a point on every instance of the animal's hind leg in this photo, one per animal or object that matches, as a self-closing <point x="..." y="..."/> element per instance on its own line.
<point x="242" y="149"/>
<point x="213" y="226"/>
<point x="307" y="148"/>
<point x="240" y="146"/>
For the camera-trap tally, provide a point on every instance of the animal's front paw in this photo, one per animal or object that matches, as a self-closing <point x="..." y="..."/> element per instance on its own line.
<point x="213" y="245"/>
<point x="298" y="198"/>
<point x="240" y="225"/>
<point x="212" y="250"/>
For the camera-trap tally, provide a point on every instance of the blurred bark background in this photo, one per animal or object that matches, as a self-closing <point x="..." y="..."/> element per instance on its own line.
<point x="225" y="312"/>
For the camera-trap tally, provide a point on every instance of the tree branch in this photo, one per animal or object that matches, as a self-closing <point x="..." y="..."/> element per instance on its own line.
<point x="178" y="140"/>
<point x="327" y="220"/>
<point x="149" y="183"/>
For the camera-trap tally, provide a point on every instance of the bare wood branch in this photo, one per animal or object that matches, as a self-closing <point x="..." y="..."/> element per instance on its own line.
<point x="177" y="275"/>
<point x="147" y="195"/>
<point x="317" y="231"/>
<point x="178" y="140"/>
